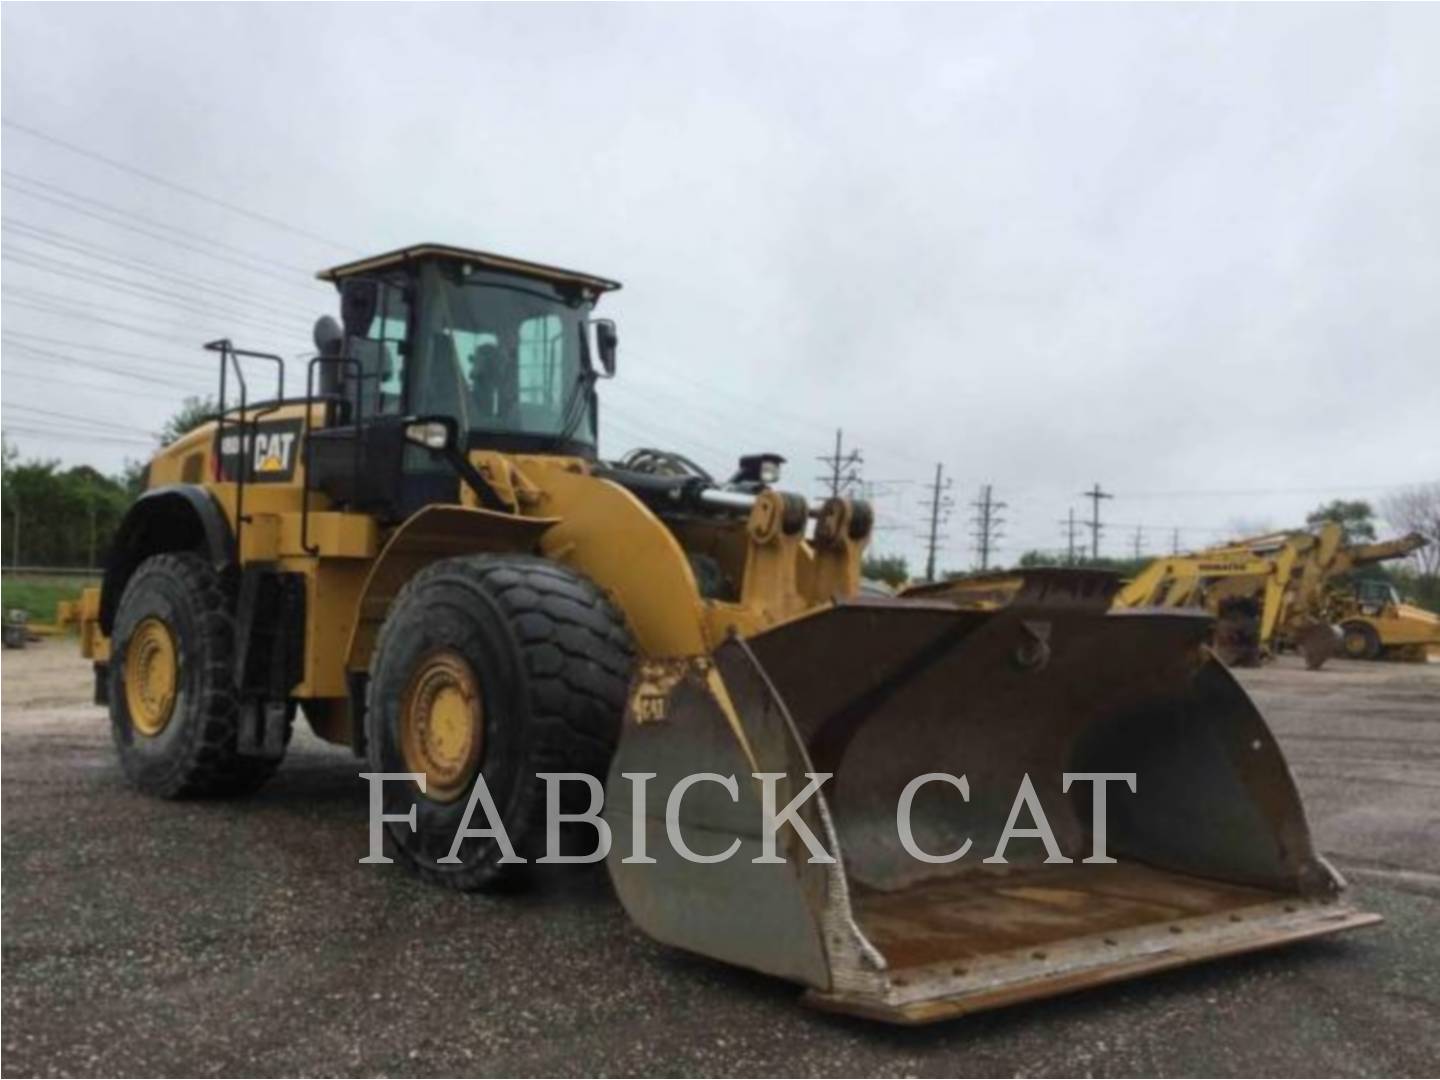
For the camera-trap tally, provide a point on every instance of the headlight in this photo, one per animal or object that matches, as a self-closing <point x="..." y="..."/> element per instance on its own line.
<point x="432" y="434"/>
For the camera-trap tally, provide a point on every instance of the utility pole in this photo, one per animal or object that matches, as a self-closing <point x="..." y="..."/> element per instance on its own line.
<point x="1070" y="529"/>
<point x="1095" y="495"/>
<point x="1175" y="541"/>
<point x="940" y="504"/>
<point x="987" y="521"/>
<point x="843" y="469"/>
<point x="1139" y="539"/>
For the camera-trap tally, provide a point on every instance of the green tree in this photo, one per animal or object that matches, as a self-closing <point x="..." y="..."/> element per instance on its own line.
<point x="1355" y="516"/>
<point x="55" y="516"/>
<point x="1040" y="558"/>
<point x="133" y="477"/>
<point x="1123" y="567"/>
<point x="9" y="458"/>
<point x="891" y="569"/>
<point x="193" y="412"/>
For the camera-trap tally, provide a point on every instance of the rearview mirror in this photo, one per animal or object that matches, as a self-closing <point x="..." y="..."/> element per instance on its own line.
<point x="359" y="300"/>
<point x="606" y="341"/>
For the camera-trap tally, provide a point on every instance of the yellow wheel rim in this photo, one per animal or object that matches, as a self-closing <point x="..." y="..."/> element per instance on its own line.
<point x="152" y="675"/>
<point x="442" y="725"/>
<point x="1356" y="646"/>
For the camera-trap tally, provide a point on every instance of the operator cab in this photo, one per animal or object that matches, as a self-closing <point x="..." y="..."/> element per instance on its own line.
<point x="503" y="353"/>
<point x="1374" y="595"/>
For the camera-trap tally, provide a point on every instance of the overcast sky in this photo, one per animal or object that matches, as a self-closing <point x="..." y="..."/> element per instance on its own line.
<point x="1191" y="253"/>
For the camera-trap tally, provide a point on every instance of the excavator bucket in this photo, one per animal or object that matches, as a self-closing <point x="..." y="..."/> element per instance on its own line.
<point x="1317" y="642"/>
<point x="1209" y="856"/>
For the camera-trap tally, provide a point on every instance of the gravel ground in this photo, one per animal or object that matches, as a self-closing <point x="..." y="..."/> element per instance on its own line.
<point x="243" y="938"/>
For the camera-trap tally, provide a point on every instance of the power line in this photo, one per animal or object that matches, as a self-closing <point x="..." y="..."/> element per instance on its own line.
<point x="84" y="317"/>
<point x="78" y="419"/>
<point x="127" y="353"/>
<point x="640" y="426"/>
<point x="47" y="377"/>
<point x="128" y="286"/>
<point x="766" y="405"/>
<point x="1243" y="493"/>
<point x="49" y="304"/>
<point x="700" y="409"/>
<point x="20" y="183"/>
<point x="254" y="215"/>
<point x="24" y="184"/>
<point x="99" y="253"/>
<point x="60" y="432"/>
<point x="153" y="294"/>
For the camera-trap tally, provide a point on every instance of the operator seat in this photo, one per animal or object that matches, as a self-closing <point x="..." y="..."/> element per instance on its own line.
<point x="492" y="389"/>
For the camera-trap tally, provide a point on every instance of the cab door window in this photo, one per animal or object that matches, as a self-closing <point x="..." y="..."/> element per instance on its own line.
<point x="382" y="354"/>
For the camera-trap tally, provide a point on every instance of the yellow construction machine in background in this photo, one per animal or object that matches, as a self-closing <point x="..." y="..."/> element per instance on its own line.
<point x="1375" y="623"/>
<point x="1291" y="590"/>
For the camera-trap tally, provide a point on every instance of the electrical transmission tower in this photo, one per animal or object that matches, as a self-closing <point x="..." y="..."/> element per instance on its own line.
<point x="940" y="505"/>
<point x="987" y="521"/>
<point x="1095" y="495"/>
<point x="1072" y="528"/>
<point x="1175" y="542"/>
<point x="1139" y="539"/>
<point x="842" y="469"/>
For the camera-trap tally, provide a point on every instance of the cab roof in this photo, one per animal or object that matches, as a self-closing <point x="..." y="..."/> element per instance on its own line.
<point x="400" y="257"/>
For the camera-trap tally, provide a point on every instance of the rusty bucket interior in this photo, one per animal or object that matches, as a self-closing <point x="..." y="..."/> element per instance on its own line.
<point x="1211" y="852"/>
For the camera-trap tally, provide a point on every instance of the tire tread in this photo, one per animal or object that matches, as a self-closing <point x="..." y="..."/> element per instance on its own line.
<point x="575" y="653"/>
<point x="210" y="764"/>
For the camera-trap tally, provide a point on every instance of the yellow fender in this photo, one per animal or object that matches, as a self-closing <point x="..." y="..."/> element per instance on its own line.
<point x="436" y="532"/>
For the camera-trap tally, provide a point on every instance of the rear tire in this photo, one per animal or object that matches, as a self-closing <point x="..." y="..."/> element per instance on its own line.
<point x="499" y="666"/>
<point x="1361" y="642"/>
<point x="174" y="708"/>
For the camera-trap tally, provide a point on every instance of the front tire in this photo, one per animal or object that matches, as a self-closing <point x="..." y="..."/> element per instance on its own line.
<point x="493" y="666"/>
<point x="1361" y="642"/>
<point x="174" y="707"/>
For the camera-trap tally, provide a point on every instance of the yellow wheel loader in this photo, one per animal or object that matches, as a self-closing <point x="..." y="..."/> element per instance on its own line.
<point x="1376" y="624"/>
<point x="423" y="554"/>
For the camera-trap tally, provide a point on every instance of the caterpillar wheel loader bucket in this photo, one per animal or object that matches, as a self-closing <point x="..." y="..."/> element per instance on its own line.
<point x="1211" y="854"/>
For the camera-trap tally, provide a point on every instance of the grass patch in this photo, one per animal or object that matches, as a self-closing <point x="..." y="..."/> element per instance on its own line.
<point x="39" y="594"/>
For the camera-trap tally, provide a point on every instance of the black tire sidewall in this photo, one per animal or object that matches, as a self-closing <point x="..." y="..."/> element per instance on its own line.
<point x="454" y="612"/>
<point x="162" y="763"/>
<point x="1365" y="633"/>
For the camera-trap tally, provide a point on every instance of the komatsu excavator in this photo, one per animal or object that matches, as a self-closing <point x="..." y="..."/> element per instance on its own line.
<point x="1290" y="590"/>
